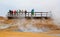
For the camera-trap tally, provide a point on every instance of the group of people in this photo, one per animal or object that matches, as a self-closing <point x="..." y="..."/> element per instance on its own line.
<point x="16" y="12"/>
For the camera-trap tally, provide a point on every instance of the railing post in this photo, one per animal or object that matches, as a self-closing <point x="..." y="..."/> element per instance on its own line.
<point x="35" y="14"/>
<point x="41" y="14"/>
<point x="46" y="14"/>
<point x="28" y="14"/>
<point x="25" y="15"/>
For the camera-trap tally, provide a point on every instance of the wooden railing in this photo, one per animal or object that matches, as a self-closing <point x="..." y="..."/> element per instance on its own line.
<point x="28" y="14"/>
<point x="39" y="14"/>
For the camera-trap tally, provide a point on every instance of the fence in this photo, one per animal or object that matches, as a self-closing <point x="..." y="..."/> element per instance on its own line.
<point x="28" y="14"/>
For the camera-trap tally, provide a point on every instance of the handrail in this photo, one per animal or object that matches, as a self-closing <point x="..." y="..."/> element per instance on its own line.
<point x="29" y="13"/>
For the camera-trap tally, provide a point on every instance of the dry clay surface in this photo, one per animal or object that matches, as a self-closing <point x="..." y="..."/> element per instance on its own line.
<point x="26" y="24"/>
<point x="24" y="34"/>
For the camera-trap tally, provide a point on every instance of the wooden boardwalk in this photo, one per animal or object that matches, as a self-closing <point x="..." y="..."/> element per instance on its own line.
<point x="28" y="15"/>
<point x="38" y="15"/>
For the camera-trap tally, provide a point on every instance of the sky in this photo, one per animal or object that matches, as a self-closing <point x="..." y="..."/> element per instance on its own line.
<point x="38" y="5"/>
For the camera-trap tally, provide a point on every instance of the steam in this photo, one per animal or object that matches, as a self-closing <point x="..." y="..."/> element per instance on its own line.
<point x="29" y="27"/>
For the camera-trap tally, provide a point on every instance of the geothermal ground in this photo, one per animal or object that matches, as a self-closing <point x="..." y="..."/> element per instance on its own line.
<point x="24" y="27"/>
<point x="28" y="25"/>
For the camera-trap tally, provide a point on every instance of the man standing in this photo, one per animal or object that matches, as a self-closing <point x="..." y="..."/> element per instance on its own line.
<point x="11" y="12"/>
<point x="25" y="12"/>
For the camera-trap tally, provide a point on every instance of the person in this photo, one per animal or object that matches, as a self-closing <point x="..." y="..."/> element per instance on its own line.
<point x="32" y="12"/>
<point x="14" y="12"/>
<point x="11" y="12"/>
<point x="22" y="11"/>
<point x="17" y="12"/>
<point x="25" y="12"/>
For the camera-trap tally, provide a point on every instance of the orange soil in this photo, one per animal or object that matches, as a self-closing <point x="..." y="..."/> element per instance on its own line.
<point x="37" y="23"/>
<point x="24" y="34"/>
<point x="9" y="31"/>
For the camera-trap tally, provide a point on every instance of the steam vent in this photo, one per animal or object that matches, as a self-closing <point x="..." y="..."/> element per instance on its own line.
<point x="29" y="18"/>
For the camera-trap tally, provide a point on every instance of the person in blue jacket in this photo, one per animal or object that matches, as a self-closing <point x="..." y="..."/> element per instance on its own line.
<point x="32" y="12"/>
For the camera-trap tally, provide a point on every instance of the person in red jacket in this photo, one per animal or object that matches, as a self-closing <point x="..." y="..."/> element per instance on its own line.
<point x="14" y="12"/>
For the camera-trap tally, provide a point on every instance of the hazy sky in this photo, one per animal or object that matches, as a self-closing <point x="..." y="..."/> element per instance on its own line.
<point x="38" y="5"/>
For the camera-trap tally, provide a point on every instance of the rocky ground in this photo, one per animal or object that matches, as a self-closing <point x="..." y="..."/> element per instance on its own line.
<point x="28" y="25"/>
